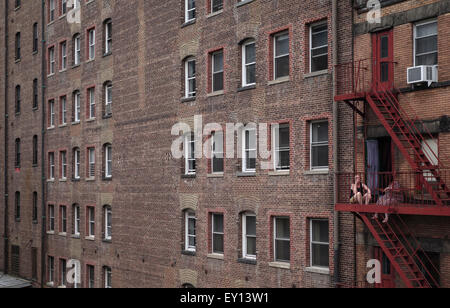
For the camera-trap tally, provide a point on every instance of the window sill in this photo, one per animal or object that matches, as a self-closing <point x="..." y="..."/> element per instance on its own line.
<point x="188" y="253"/>
<point x="188" y="176"/>
<point x="17" y="60"/>
<point x="282" y="265"/>
<point x="90" y="179"/>
<point x="62" y="125"/>
<point x="90" y="60"/>
<point x="188" y="23"/>
<point x="50" y="284"/>
<point x="50" y="128"/>
<point x="64" y="234"/>
<point x="35" y="109"/>
<point x="242" y="3"/>
<point x="62" y="16"/>
<point x="215" y="256"/>
<point x="318" y="270"/>
<point x="105" y="55"/>
<point x="215" y="175"/>
<point x="90" y="238"/>
<point x="50" y="75"/>
<point x="51" y="181"/>
<point x="75" y="179"/>
<point x="63" y="70"/>
<point x="279" y="81"/>
<point x="35" y="222"/>
<point x="247" y="261"/>
<point x="188" y="99"/>
<point x="76" y="66"/>
<point x="280" y="173"/>
<point x="90" y="120"/>
<point x="76" y="236"/>
<point x="217" y="93"/>
<point x="17" y="114"/>
<point x="76" y="122"/>
<point x="107" y="179"/>
<point x="63" y="180"/>
<point x="34" y="165"/>
<point x="51" y="232"/>
<point x="315" y="74"/>
<point x="107" y="241"/>
<point x="17" y="8"/>
<point x="317" y="172"/>
<point x="245" y="174"/>
<point x="214" y="14"/>
<point x="51" y="23"/>
<point x="246" y="88"/>
<point x="107" y="116"/>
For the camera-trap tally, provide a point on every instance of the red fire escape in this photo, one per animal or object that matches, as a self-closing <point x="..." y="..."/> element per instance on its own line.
<point x="423" y="191"/>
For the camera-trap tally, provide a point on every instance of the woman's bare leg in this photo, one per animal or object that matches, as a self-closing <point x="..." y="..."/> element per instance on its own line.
<point x="386" y="219"/>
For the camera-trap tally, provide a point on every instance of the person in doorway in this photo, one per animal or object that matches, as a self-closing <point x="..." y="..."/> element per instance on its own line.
<point x="360" y="193"/>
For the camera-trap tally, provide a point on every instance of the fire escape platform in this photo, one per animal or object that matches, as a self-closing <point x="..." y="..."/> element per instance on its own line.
<point x="405" y="209"/>
<point x="350" y="97"/>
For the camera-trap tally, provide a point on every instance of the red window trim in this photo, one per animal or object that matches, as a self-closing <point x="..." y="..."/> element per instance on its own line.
<point x="209" y="69"/>
<point x="272" y="215"/>
<point x="209" y="214"/>
<point x="60" y="43"/>
<point x="48" y="58"/>
<point x="87" y="42"/>
<point x="270" y="62"/>
<point x="291" y="142"/>
<point x="87" y="159"/>
<point x="308" y="218"/>
<point x="307" y="25"/>
<point x="306" y="128"/>
<point x="90" y="206"/>
<point x="88" y="102"/>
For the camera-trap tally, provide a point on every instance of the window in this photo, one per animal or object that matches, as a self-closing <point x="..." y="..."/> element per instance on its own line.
<point x="35" y="94"/>
<point x="108" y="98"/>
<point x="18" y="99"/>
<point x="51" y="114"/>
<point x="17" y="157"/>
<point x="216" y="5"/>
<point x="282" y="239"/>
<point x="189" y="10"/>
<point x="51" y="59"/>
<point x="108" y="161"/>
<point x="63" y="7"/>
<point x="108" y="277"/>
<point x="91" y="221"/>
<point x="51" y="269"/>
<point x="319" y="243"/>
<point x="217" y="153"/>
<point x="35" y="37"/>
<point x="249" y="236"/>
<point x="319" y="145"/>
<point x="189" y="147"/>
<point x="35" y="207"/>
<point x="108" y="223"/>
<point x="18" y="46"/>
<point x="91" y="165"/>
<point x="91" y="101"/>
<point x="91" y="47"/>
<point x="17" y="4"/>
<point x="63" y="219"/>
<point x="108" y="36"/>
<point x="76" y="50"/>
<point x="63" y="55"/>
<point x="318" y="47"/>
<point x="15" y="260"/>
<point x="190" y="231"/>
<point x="426" y="43"/>
<point x="76" y="163"/>
<point x="63" y="165"/>
<point x="51" y="218"/>
<point x="217" y="233"/>
<point x="35" y="150"/>
<point x="249" y="150"/>
<point x="281" y="142"/>
<point x="51" y="15"/>
<point x="63" y="272"/>
<point x="51" y="166"/>
<point x="90" y="269"/>
<point x="76" y="106"/>
<point x="63" y="110"/>
<point x="190" y="81"/>
<point x="17" y="206"/>
<point x="217" y="71"/>
<point x="431" y="149"/>
<point x="281" y="55"/>
<point x="248" y="63"/>
<point x="76" y="220"/>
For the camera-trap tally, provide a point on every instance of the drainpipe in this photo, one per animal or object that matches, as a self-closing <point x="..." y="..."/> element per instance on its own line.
<point x="43" y="177"/>
<point x="336" y="231"/>
<point x="6" y="164"/>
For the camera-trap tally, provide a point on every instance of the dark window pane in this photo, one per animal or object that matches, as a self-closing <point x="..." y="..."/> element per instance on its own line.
<point x="218" y="82"/>
<point x="320" y="231"/>
<point x="250" y="225"/>
<point x="251" y="246"/>
<point x="282" y="228"/>
<point x="218" y="243"/>
<point x="251" y="73"/>
<point x="431" y="59"/>
<point x="320" y="156"/>
<point x="218" y="223"/>
<point x="250" y="53"/>
<point x="281" y="45"/>
<point x="319" y="63"/>
<point x="320" y="255"/>
<point x="282" y="251"/>
<point x="282" y="67"/>
<point x="217" y="5"/>
<point x="384" y="48"/>
<point x="320" y="132"/>
<point x="284" y="136"/>
<point x="217" y="164"/>
<point x="384" y="71"/>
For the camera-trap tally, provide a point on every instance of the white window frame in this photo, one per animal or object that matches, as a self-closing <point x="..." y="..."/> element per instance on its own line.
<point x="275" y="238"/>
<point x="52" y="9"/>
<point x="311" y="49"/>
<point x="77" y="164"/>
<point x="63" y="273"/>
<point x="276" y="147"/>
<point x="51" y="218"/>
<point x="188" y="216"/>
<point x="245" y="64"/>
<point x="51" y="162"/>
<point x="245" y="255"/>
<point x="213" y="72"/>
<point x="108" y="223"/>
<point x="108" y="99"/>
<point x="244" y="150"/>
<point x="214" y="152"/>
<point x="77" y="50"/>
<point x="52" y="113"/>
<point x="51" y="269"/>
<point x="275" y="57"/>
<point x="311" y="145"/>
<point x="90" y="276"/>
<point x="91" y="160"/>
<point x="63" y="110"/>
<point x="219" y="233"/>
<point x="91" y="221"/>
<point x="77" y="107"/>
<point x="311" y="242"/>
<point x="63" y="165"/>
<point x="188" y="140"/>
<point x="63" y="56"/>
<point x="108" y="161"/>
<point x="52" y="60"/>
<point x="91" y="97"/>
<point x="212" y="11"/>
<point x="76" y="220"/>
<point x="91" y="43"/>
<point x="428" y="147"/>
<point x="188" y="92"/>
<point x="108" y="37"/>
<point x="415" y="38"/>
<point x="187" y="10"/>
<point x="108" y="277"/>
<point x="63" y="219"/>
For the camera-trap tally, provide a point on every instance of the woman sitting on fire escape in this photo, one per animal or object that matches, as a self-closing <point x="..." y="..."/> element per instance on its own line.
<point x="360" y="193"/>
<point x="392" y="195"/>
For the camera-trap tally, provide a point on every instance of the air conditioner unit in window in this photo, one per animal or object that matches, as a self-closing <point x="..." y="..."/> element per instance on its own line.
<point x="423" y="73"/>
